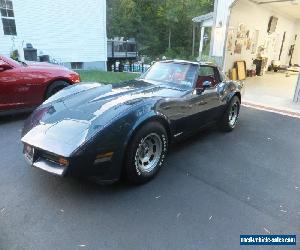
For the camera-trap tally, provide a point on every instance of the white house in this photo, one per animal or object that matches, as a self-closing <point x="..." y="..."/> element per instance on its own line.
<point x="71" y="32"/>
<point x="242" y="28"/>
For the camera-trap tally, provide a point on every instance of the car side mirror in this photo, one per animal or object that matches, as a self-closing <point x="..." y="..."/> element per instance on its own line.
<point x="207" y="84"/>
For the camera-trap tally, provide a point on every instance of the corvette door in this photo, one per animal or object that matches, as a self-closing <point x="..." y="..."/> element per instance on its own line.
<point x="207" y="101"/>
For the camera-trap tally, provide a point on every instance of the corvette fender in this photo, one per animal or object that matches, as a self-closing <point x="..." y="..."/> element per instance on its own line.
<point x="147" y="116"/>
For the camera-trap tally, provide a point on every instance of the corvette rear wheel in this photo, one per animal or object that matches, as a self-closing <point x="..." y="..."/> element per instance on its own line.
<point x="231" y="115"/>
<point x="146" y="153"/>
<point x="55" y="87"/>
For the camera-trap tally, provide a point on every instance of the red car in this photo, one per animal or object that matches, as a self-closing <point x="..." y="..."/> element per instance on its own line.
<point x="24" y="86"/>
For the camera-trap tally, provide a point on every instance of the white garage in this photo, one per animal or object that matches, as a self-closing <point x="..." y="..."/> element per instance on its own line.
<point x="258" y="41"/>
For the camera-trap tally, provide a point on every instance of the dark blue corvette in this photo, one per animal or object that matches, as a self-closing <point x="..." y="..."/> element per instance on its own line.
<point x="98" y="130"/>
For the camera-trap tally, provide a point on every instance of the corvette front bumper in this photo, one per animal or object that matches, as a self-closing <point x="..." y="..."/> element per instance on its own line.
<point x="36" y="159"/>
<point x="81" y="166"/>
<point x="50" y="167"/>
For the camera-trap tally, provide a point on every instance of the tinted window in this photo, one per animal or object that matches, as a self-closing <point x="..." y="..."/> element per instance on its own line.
<point x="206" y="71"/>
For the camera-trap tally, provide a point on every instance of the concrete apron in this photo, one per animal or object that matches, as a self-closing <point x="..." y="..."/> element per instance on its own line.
<point x="258" y="94"/>
<point x="281" y="111"/>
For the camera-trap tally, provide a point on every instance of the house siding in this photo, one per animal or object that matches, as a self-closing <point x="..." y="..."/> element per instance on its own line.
<point x="68" y="31"/>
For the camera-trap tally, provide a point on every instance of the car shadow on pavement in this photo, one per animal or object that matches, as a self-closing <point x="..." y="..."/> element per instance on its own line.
<point x="13" y="118"/>
<point x="194" y="139"/>
<point x="77" y="185"/>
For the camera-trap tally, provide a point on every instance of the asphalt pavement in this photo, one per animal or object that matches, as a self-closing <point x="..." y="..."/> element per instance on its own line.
<point x="212" y="188"/>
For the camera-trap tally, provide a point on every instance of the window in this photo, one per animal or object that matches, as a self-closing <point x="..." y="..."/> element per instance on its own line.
<point x="8" y="20"/>
<point x="9" y="26"/>
<point x="6" y="4"/>
<point x="77" y="65"/>
<point x="206" y="71"/>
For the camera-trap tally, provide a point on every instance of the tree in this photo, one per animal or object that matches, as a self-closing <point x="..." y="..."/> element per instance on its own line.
<point x="159" y="26"/>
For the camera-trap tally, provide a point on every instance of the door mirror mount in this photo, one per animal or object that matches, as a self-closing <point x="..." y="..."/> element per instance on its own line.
<point x="198" y="91"/>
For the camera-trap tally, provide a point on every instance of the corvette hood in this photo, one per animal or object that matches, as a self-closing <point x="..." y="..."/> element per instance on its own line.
<point x="90" y="101"/>
<point x="75" y="114"/>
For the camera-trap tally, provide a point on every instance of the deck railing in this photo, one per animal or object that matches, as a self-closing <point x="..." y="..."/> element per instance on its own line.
<point x="121" y="49"/>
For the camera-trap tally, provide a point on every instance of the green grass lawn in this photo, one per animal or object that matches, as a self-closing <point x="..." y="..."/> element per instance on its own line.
<point x="105" y="77"/>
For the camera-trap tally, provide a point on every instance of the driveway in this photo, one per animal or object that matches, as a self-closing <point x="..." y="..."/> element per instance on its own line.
<point x="212" y="188"/>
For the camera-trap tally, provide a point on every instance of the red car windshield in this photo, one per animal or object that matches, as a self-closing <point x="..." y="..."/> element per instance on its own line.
<point x="10" y="61"/>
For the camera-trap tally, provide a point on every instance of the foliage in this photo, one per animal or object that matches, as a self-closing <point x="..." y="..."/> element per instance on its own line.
<point x="14" y="55"/>
<point x="105" y="77"/>
<point x="206" y="58"/>
<point x="161" y="27"/>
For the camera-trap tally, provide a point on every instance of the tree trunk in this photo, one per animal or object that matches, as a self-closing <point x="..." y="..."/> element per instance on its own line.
<point x="170" y="35"/>
<point x="193" y="44"/>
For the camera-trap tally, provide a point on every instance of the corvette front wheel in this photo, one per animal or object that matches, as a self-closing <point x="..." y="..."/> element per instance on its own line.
<point x="146" y="153"/>
<point x="231" y="115"/>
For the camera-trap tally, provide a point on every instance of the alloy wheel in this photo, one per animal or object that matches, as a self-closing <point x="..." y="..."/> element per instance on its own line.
<point x="148" y="153"/>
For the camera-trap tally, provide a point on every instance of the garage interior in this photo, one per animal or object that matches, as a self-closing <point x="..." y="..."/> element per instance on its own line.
<point x="263" y="49"/>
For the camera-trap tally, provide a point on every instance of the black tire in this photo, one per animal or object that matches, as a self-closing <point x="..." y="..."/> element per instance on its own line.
<point x="150" y="134"/>
<point x="55" y="87"/>
<point x="230" y="118"/>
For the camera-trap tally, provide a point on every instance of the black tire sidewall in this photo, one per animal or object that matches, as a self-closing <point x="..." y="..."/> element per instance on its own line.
<point x="132" y="172"/>
<point x="225" y="123"/>
<point x="55" y="87"/>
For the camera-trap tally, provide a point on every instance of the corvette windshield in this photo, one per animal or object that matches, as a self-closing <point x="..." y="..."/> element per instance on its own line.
<point x="171" y="72"/>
